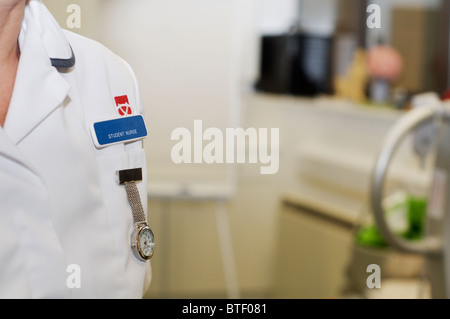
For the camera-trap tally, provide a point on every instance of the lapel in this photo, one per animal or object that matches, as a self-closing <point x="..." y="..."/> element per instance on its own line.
<point x="9" y="150"/>
<point x="39" y="88"/>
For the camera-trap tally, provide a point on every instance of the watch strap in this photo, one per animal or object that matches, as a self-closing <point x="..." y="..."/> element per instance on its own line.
<point x="134" y="199"/>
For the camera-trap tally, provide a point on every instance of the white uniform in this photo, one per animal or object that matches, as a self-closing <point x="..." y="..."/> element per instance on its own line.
<point x="60" y="202"/>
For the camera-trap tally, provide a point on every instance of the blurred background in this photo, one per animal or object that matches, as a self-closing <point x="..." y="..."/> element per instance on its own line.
<point x="334" y="76"/>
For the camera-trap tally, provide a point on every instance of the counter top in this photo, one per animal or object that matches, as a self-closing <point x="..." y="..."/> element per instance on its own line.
<point x="342" y="208"/>
<point x="328" y="104"/>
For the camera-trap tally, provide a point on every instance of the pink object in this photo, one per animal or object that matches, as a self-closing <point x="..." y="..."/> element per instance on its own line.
<point x="384" y="62"/>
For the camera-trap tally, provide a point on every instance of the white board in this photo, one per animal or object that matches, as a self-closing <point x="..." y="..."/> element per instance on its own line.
<point x="186" y="56"/>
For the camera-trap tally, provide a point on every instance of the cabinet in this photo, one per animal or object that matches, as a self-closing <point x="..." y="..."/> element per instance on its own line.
<point x="313" y="250"/>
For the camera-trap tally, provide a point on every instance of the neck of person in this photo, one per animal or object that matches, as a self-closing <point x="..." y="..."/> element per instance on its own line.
<point x="11" y="15"/>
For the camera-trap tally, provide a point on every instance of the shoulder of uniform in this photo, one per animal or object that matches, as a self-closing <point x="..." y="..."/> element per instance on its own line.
<point x="92" y="55"/>
<point x="89" y="52"/>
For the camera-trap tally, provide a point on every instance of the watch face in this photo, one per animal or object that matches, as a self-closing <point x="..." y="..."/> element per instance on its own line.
<point x="146" y="243"/>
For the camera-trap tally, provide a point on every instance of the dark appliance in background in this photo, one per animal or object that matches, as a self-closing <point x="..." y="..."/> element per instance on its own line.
<point x="295" y="64"/>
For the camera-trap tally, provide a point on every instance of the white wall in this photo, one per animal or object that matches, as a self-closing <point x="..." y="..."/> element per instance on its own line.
<point x="277" y="16"/>
<point x="90" y="11"/>
<point x="318" y="16"/>
<point x="189" y="59"/>
<point x="313" y="16"/>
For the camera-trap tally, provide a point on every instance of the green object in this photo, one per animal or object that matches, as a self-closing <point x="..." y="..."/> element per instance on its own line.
<point x="369" y="235"/>
<point x="416" y="218"/>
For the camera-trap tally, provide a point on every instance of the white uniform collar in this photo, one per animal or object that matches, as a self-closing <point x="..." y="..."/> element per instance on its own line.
<point x="39" y="87"/>
<point x="53" y="39"/>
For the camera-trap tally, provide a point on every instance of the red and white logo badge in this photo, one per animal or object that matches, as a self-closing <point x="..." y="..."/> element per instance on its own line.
<point x="123" y="106"/>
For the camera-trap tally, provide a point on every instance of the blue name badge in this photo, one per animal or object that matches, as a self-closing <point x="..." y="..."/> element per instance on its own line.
<point x="124" y="129"/>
